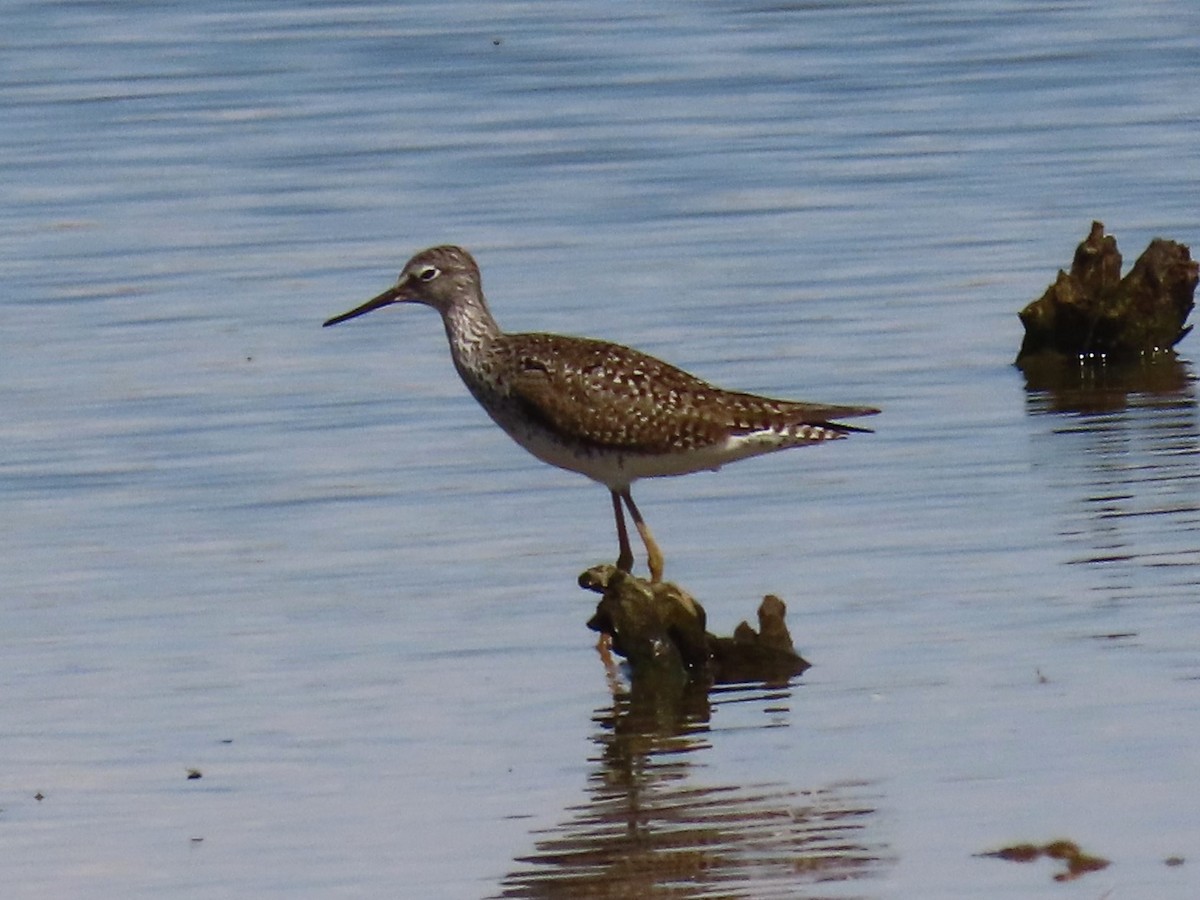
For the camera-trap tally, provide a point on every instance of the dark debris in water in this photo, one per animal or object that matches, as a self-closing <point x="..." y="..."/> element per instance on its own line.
<point x="1077" y="862"/>
<point x="661" y="629"/>
<point x="1093" y="314"/>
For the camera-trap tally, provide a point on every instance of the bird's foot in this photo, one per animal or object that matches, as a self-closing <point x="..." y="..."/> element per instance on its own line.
<point x="655" y="562"/>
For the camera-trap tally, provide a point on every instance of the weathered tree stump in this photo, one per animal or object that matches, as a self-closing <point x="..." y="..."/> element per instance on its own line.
<point x="661" y="630"/>
<point x="1093" y="313"/>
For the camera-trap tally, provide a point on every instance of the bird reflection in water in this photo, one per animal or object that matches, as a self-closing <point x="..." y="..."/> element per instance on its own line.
<point x="650" y="828"/>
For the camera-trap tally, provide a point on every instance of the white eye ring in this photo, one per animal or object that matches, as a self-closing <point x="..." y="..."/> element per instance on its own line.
<point x="428" y="273"/>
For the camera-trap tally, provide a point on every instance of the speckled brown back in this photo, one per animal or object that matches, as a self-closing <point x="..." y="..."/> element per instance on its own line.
<point x="612" y="396"/>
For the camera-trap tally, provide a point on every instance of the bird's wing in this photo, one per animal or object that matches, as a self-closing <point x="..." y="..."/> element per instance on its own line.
<point x="614" y="396"/>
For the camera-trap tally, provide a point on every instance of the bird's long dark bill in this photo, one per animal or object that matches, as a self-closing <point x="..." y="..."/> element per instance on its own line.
<point x="391" y="295"/>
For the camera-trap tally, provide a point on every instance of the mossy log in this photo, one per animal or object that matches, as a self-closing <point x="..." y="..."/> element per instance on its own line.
<point x="661" y="629"/>
<point x="1093" y="313"/>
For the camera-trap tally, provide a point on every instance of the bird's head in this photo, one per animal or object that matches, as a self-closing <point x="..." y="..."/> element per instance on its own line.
<point x="439" y="277"/>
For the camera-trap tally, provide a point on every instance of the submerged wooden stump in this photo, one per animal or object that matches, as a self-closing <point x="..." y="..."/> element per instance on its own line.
<point x="1092" y="312"/>
<point x="661" y="629"/>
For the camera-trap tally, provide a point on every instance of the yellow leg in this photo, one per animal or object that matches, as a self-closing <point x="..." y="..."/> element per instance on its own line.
<point x="654" y="557"/>
<point x="625" y="556"/>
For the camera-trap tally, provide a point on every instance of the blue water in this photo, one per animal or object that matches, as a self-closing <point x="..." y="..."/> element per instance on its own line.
<point x="303" y="563"/>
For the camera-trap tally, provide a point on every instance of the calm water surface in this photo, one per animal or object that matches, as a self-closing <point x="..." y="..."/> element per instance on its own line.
<point x="304" y="564"/>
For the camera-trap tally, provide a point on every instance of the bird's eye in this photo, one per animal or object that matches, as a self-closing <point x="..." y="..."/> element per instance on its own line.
<point x="429" y="273"/>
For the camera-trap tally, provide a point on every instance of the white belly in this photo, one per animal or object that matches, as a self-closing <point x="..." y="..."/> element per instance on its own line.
<point x="617" y="469"/>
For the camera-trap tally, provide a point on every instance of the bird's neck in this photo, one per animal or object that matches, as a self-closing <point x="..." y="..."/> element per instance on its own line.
<point x="470" y="328"/>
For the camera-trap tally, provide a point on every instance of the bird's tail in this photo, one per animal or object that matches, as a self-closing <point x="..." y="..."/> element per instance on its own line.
<point x="827" y="416"/>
